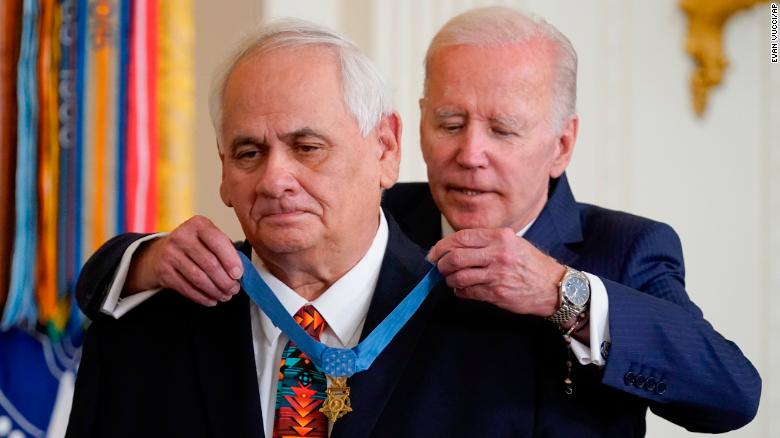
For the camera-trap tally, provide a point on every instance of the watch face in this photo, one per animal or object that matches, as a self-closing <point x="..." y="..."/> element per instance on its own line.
<point x="576" y="290"/>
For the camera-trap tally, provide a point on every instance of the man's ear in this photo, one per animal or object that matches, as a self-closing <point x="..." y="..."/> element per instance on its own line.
<point x="223" y="187"/>
<point x="564" y="146"/>
<point x="388" y="132"/>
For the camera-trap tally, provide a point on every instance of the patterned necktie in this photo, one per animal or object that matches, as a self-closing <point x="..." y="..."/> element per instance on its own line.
<point x="301" y="387"/>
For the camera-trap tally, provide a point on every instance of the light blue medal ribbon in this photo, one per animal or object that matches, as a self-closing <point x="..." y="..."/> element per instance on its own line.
<point x="338" y="362"/>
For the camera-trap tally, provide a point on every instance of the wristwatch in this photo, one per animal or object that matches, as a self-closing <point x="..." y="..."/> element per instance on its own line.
<point x="575" y="296"/>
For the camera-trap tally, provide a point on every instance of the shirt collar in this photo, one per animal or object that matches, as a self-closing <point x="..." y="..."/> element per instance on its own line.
<point x="344" y="305"/>
<point x="446" y="228"/>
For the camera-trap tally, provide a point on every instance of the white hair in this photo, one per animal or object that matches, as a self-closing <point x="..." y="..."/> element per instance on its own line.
<point x="365" y="92"/>
<point x="500" y="26"/>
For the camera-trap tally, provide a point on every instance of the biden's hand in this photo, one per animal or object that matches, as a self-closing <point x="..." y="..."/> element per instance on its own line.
<point x="196" y="259"/>
<point x="499" y="267"/>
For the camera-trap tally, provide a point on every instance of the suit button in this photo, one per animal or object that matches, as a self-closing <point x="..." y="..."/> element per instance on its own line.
<point x="650" y="384"/>
<point x="629" y="378"/>
<point x="660" y="387"/>
<point x="640" y="381"/>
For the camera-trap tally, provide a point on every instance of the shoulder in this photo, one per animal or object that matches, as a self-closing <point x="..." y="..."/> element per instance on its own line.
<point x="629" y="249"/>
<point x="412" y="205"/>
<point x="402" y="193"/>
<point x="623" y="229"/>
<point x="624" y="247"/>
<point x="164" y="320"/>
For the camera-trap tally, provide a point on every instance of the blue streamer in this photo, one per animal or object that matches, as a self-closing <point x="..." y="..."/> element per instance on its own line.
<point x="78" y="165"/>
<point x="21" y="304"/>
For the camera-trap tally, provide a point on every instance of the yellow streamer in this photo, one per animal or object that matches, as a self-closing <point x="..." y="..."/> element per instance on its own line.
<point x="48" y="146"/>
<point x="175" y="112"/>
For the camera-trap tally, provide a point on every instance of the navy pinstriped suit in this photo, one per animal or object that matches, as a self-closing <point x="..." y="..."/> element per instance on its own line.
<point x="459" y="369"/>
<point x="663" y="350"/>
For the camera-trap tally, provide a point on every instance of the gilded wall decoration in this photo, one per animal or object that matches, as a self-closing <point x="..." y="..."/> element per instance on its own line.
<point x="706" y="20"/>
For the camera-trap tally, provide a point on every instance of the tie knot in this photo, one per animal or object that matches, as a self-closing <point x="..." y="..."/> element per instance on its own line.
<point x="310" y="320"/>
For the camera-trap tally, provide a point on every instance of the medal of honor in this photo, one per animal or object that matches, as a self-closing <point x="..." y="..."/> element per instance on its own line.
<point x="338" y="364"/>
<point x="337" y="403"/>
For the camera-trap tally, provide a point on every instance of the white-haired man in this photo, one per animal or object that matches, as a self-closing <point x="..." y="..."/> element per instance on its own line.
<point x="498" y="129"/>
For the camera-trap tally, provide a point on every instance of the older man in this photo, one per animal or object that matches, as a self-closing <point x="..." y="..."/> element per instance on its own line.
<point x="498" y="129"/>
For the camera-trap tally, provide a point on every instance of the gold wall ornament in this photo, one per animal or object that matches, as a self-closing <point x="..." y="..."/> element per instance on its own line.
<point x="706" y="20"/>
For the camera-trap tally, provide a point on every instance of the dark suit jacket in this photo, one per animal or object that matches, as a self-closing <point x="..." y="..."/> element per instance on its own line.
<point x="663" y="350"/>
<point x="457" y="369"/>
<point x="460" y="368"/>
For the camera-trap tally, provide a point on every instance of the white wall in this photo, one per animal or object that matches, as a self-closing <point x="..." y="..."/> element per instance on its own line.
<point x="716" y="180"/>
<point x="218" y="25"/>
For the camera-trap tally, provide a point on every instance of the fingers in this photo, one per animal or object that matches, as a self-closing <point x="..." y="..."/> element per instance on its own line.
<point x="206" y="272"/>
<point x="498" y="267"/>
<point x="215" y="255"/>
<point x="222" y="247"/>
<point x="470" y="238"/>
<point x="467" y="278"/>
<point x="203" y="279"/>
<point x="180" y="284"/>
<point x="477" y="293"/>
<point x="462" y="258"/>
<point x="199" y="260"/>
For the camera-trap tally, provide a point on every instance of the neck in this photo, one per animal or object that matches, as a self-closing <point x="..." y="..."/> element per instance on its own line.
<point x="309" y="280"/>
<point x="312" y="271"/>
<point x="531" y="214"/>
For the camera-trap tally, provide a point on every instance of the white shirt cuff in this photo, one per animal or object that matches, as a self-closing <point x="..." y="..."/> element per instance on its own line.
<point x="599" y="326"/>
<point x="113" y="304"/>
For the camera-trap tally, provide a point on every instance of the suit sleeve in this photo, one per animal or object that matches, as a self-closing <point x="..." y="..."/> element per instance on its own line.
<point x="86" y="399"/>
<point x="664" y="351"/>
<point x="98" y="273"/>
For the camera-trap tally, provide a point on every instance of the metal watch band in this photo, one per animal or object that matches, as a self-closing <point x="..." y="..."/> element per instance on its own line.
<point x="567" y="311"/>
<point x="563" y="314"/>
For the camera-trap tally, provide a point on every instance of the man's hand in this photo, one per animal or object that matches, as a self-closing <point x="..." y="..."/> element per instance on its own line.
<point x="197" y="259"/>
<point x="497" y="266"/>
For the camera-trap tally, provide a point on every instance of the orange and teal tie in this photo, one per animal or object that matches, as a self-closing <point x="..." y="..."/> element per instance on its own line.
<point x="301" y="388"/>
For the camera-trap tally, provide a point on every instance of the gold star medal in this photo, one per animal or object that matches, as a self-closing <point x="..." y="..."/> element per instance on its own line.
<point x="337" y="404"/>
<point x="338" y="365"/>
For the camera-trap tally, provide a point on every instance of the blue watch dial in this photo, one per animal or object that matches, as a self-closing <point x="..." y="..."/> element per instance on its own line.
<point x="576" y="290"/>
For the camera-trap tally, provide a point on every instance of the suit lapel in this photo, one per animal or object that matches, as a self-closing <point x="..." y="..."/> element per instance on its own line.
<point x="402" y="268"/>
<point x="558" y="225"/>
<point x="224" y="357"/>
